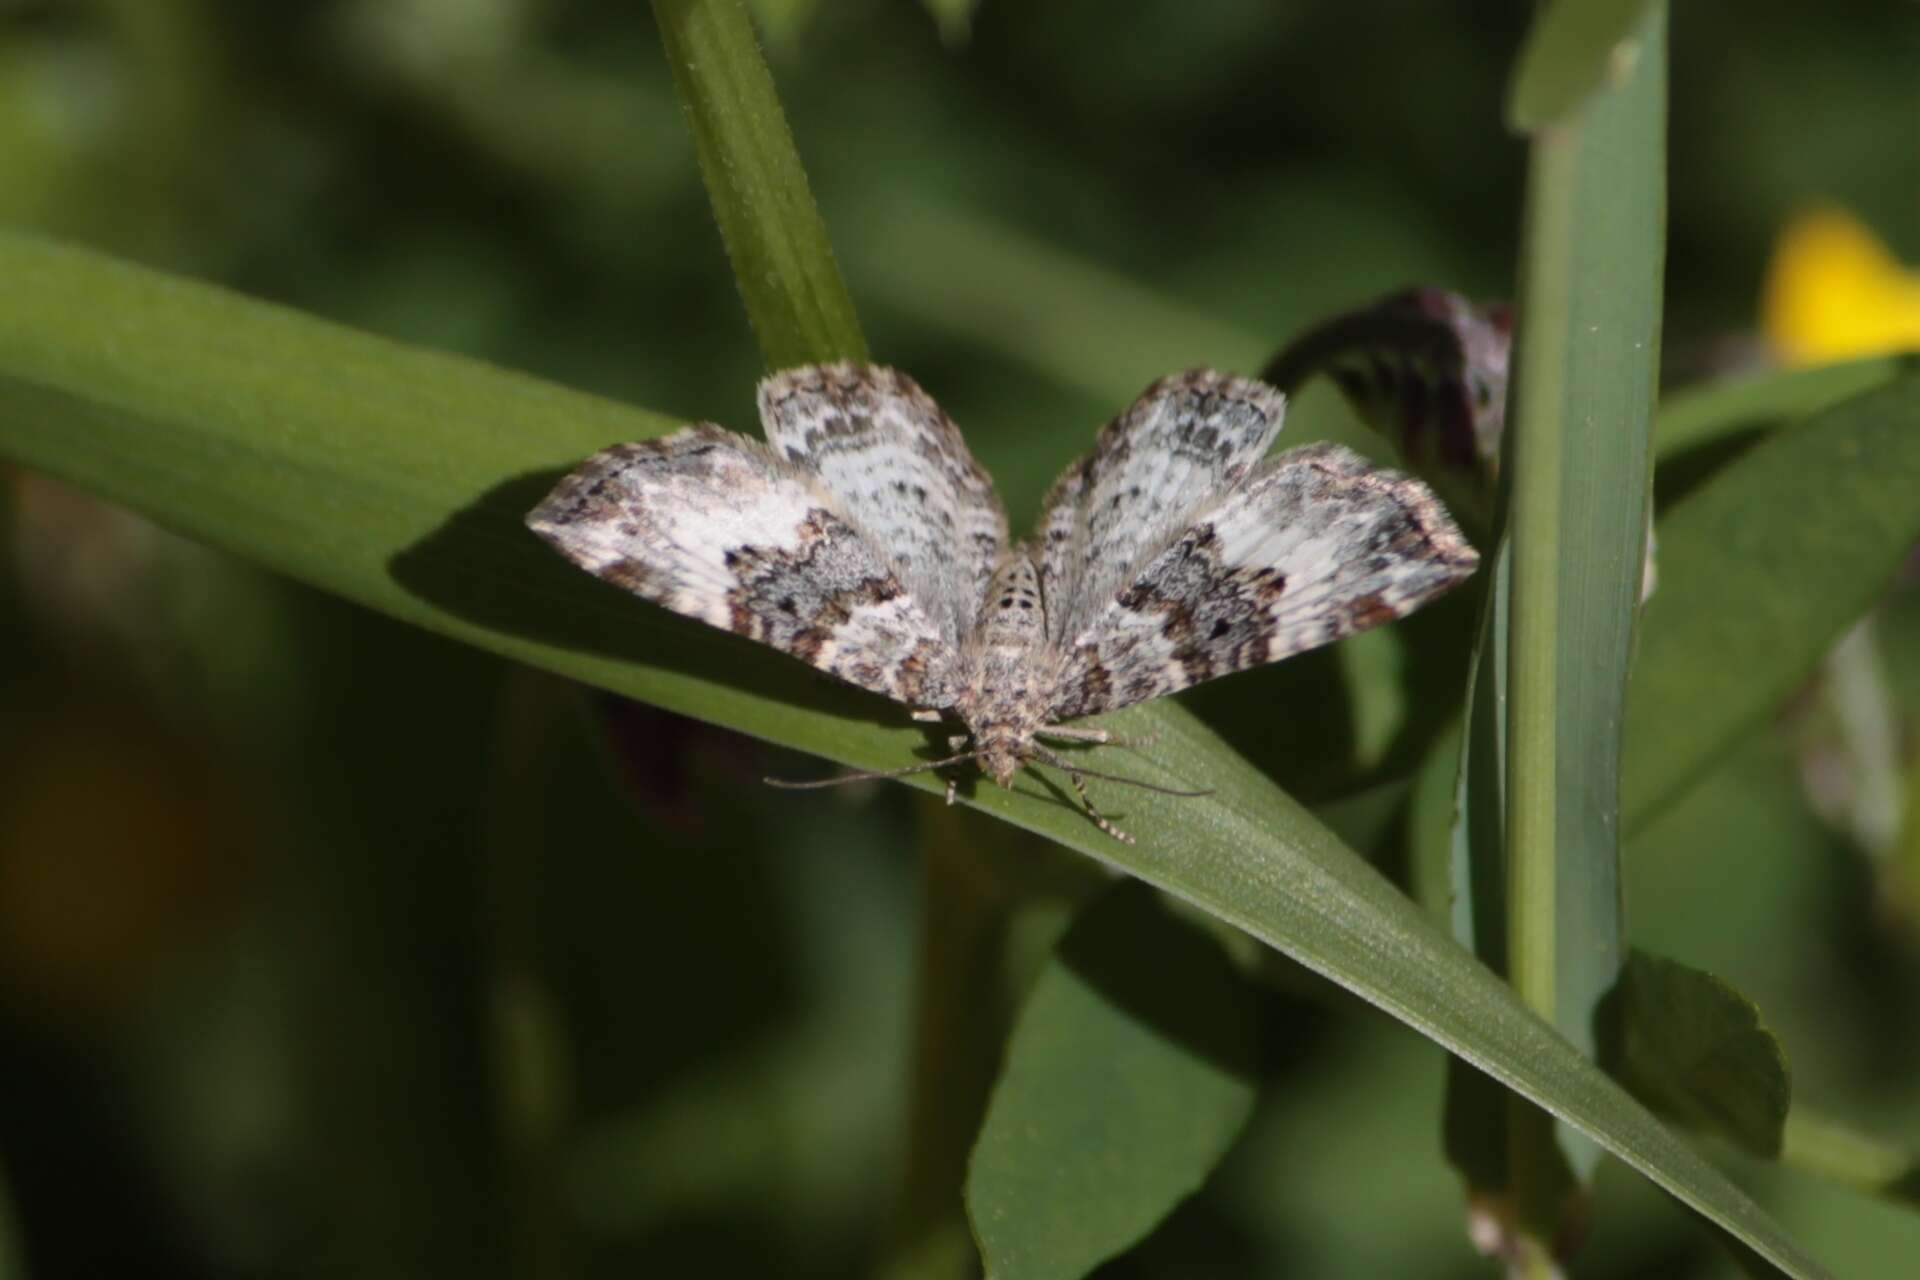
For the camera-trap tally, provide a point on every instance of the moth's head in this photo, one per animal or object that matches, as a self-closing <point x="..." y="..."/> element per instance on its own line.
<point x="1000" y="760"/>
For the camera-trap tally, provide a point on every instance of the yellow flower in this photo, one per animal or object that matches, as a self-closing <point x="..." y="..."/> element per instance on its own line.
<point x="1834" y="291"/>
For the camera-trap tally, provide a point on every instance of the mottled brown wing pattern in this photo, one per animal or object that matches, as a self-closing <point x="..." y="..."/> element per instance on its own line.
<point x="1187" y="439"/>
<point x="716" y="527"/>
<point x="1315" y="545"/>
<point x="901" y="471"/>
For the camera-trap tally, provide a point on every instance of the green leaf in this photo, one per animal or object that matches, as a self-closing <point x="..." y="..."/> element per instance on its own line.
<point x="1540" y="856"/>
<point x="398" y="479"/>
<point x="1430" y="826"/>
<point x="1586" y="362"/>
<point x="1473" y="842"/>
<point x="980" y="880"/>
<point x="778" y="245"/>
<point x="1761" y="571"/>
<point x="1693" y="1048"/>
<point x="1722" y="410"/>
<point x="1130" y="1073"/>
<point x="1574" y="49"/>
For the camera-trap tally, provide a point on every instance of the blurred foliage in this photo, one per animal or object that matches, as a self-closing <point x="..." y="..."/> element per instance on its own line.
<point x="327" y="946"/>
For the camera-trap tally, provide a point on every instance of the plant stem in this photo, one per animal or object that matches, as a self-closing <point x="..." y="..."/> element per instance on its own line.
<point x="795" y="299"/>
<point x="1534" y="506"/>
<point x="801" y="313"/>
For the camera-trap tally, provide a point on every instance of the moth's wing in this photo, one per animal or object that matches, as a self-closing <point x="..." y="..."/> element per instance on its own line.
<point x="897" y="464"/>
<point x="1188" y="438"/>
<point x="1317" y="545"/>
<point x="713" y="526"/>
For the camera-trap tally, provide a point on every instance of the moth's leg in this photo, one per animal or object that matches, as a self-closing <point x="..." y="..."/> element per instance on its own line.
<point x="956" y="743"/>
<point x="1071" y="734"/>
<point x="927" y="715"/>
<point x="1102" y="737"/>
<point x="1045" y="756"/>
<point x="1099" y="819"/>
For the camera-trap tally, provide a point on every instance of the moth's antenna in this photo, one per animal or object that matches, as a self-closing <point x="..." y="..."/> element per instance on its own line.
<point x="787" y="785"/>
<point x="1047" y="757"/>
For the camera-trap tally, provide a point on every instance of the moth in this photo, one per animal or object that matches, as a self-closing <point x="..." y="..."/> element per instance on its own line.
<point x="863" y="539"/>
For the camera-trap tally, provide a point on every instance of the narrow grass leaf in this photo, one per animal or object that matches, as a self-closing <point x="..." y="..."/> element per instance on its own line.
<point x="1130" y="1073"/>
<point x="1568" y="562"/>
<point x="1474" y="1115"/>
<point x="1574" y="49"/>
<point x="1720" y="411"/>
<point x="1586" y="363"/>
<point x="399" y="479"/>
<point x="1430" y="810"/>
<point x="1761" y="572"/>
<point x="793" y="292"/>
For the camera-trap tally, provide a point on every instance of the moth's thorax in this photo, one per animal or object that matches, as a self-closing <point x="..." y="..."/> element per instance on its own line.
<point x="1009" y="669"/>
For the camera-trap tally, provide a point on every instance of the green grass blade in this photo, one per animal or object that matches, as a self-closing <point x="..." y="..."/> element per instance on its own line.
<point x="398" y="479"/>
<point x="794" y="295"/>
<point x="1721" y="410"/>
<point x="1474" y="1121"/>
<point x="1586" y="362"/>
<point x="1566" y="576"/>
<point x="1574" y="49"/>
<point x="1761" y="571"/>
<point x="1131" y="1071"/>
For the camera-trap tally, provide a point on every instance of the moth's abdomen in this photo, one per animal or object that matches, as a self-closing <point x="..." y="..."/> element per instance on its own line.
<point x="1013" y="613"/>
<point x="1009" y="669"/>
